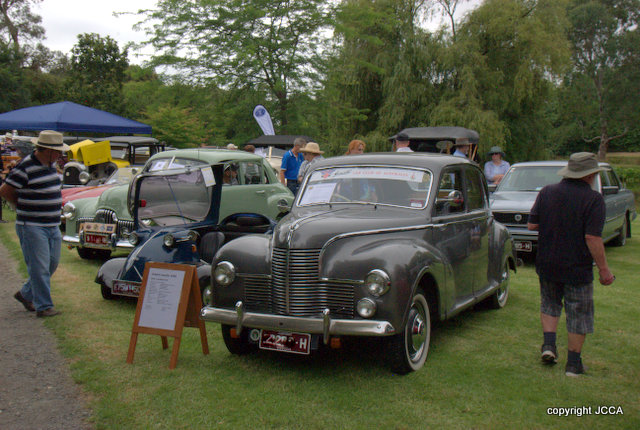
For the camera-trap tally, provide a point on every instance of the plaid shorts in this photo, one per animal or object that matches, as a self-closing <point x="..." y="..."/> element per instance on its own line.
<point x="578" y="304"/>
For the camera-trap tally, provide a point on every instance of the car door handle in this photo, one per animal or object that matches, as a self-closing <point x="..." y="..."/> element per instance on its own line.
<point x="260" y="192"/>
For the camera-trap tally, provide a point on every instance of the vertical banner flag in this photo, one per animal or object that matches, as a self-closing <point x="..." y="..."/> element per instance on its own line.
<point x="264" y="120"/>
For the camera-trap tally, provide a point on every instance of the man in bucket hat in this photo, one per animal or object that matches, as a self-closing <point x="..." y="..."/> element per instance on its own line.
<point x="312" y="154"/>
<point x="33" y="186"/>
<point x="569" y="217"/>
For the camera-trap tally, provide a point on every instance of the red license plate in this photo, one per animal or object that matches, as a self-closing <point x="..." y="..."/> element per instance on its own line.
<point x="126" y="288"/>
<point x="295" y="343"/>
<point x="96" y="239"/>
<point x="523" y="246"/>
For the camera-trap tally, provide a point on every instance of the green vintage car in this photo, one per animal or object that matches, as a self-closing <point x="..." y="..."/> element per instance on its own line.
<point x="97" y="226"/>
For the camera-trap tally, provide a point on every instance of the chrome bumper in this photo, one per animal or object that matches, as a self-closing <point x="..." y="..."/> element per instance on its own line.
<point x="74" y="241"/>
<point x="324" y="325"/>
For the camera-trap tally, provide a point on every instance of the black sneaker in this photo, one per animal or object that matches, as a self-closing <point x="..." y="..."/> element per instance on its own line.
<point x="574" y="369"/>
<point x="549" y="354"/>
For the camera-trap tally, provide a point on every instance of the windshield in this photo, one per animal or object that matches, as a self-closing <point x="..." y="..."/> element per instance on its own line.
<point x="122" y="176"/>
<point x="169" y="198"/>
<point x="380" y="185"/>
<point x="531" y="178"/>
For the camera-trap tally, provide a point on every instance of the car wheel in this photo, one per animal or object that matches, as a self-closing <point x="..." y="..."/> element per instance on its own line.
<point x="238" y="345"/>
<point x="106" y="293"/>
<point x="621" y="239"/>
<point x="407" y="351"/>
<point x="94" y="254"/>
<point x="499" y="298"/>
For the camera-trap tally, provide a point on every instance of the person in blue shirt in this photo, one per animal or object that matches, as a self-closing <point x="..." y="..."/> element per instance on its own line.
<point x="495" y="169"/>
<point x="462" y="147"/>
<point x="291" y="162"/>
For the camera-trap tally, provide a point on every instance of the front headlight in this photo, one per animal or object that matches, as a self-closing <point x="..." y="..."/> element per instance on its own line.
<point x="377" y="282"/>
<point x="84" y="177"/>
<point x="366" y="308"/>
<point x="69" y="211"/>
<point x="169" y="240"/>
<point x="133" y="238"/>
<point x="224" y="274"/>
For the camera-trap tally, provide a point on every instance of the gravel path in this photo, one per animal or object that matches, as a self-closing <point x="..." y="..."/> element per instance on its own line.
<point x="36" y="389"/>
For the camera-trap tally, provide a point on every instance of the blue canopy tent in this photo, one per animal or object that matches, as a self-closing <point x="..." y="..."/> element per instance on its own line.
<point x="69" y="116"/>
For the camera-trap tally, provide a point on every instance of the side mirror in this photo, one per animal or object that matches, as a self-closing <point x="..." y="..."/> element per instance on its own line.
<point x="609" y="189"/>
<point x="492" y="187"/>
<point x="283" y="206"/>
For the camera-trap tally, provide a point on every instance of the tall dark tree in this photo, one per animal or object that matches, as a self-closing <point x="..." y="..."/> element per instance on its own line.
<point x="606" y="59"/>
<point x="18" y="22"/>
<point x="266" y="45"/>
<point x="97" y="73"/>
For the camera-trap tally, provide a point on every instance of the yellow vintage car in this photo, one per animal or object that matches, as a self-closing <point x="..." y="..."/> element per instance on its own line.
<point x="91" y="162"/>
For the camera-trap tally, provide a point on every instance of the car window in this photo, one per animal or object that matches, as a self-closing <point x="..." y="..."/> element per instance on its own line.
<point x="475" y="189"/>
<point x="171" y="163"/>
<point x="610" y="178"/>
<point x="368" y="184"/>
<point x="529" y="178"/>
<point x="450" y="198"/>
<point x="251" y="173"/>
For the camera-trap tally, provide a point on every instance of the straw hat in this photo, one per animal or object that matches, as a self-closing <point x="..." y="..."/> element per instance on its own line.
<point x="312" y="148"/>
<point x="580" y="164"/>
<point x="462" y="141"/>
<point x="51" y="140"/>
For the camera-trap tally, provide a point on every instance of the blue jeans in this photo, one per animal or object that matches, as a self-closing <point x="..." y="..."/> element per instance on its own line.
<point x="293" y="185"/>
<point x="41" y="251"/>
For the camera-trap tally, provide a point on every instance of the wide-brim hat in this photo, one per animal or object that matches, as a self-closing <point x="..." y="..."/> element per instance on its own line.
<point x="312" y="148"/>
<point x="580" y="164"/>
<point x="496" y="150"/>
<point x="402" y="137"/>
<point x="462" y="141"/>
<point x="51" y="140"/>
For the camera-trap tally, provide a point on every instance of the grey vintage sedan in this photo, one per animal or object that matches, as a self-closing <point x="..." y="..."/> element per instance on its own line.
<point x="512" y="200"/>
<point x="376" y="245"/>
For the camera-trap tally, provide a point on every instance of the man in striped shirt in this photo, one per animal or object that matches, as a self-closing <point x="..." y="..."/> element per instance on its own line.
<point x="33" y="186"/>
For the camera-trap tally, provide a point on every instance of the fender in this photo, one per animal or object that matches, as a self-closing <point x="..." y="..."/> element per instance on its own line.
<point x="407" y="260"/>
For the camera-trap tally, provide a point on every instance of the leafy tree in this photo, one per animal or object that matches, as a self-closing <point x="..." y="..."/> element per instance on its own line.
<point x="17" y="22"/>
<point x="263" y="45"/>
<point x="12" y="86"/>
<point x="177" y="126"/>
<point x="504" y="60"/>
<point x="97" y="73"/>
<point x="605" y="74"/>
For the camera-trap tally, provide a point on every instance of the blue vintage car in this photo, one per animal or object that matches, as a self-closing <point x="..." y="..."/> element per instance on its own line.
<point x="376" y="245"/>
<point x="176" y="220"/>
<point x="513" y="199"/>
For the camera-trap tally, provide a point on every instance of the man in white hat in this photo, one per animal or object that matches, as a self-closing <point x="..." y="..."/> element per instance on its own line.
<point x="569" y="217"/>
<point x="34" y="188"/>
<point x="312" y="154"/>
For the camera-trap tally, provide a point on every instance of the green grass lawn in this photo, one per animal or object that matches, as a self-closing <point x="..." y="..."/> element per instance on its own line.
<point x="483" y="369"/>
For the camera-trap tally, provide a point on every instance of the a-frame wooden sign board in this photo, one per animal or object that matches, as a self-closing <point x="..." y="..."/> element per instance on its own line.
<point x="169" y="300"/>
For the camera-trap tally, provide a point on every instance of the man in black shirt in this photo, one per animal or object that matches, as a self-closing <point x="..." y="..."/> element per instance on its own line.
<point x="569" y="217"/>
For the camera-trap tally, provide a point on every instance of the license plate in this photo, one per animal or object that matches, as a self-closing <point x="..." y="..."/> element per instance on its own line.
<point x="526" y="246"/>
<point x="295" y="343"/>
<point x="126" y="288"/>
<point x="97" y="235"/>
<point x="96" y="239"/>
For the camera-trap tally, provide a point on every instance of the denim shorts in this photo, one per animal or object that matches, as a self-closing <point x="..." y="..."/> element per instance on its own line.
<point x="578" y="304"/>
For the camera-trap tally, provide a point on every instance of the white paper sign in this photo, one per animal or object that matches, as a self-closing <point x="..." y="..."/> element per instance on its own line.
<point x="161" y="299"/>
<point x="207" y="174"/>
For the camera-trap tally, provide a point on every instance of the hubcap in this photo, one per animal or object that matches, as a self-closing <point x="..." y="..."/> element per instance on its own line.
<point x="417" y="332"/>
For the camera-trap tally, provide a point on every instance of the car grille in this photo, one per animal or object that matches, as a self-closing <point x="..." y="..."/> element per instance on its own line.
<point x="107" y="216"/>
<point x="296" y="290"/>
<point x="512" y="218"/>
